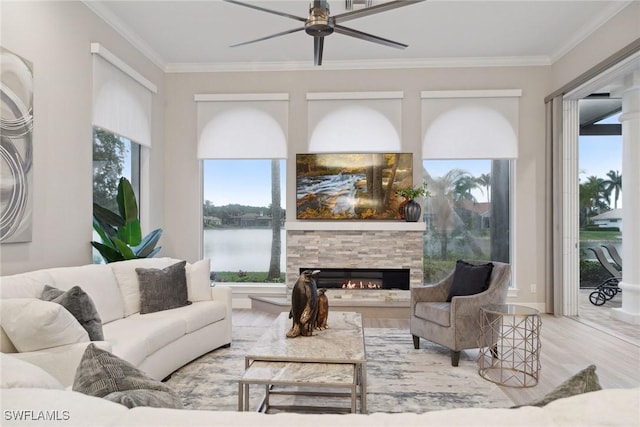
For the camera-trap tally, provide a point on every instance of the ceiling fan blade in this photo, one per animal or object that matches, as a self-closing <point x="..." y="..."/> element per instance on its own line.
<point x="282" y="33"/>
<point x="367" y="37"/>
<point x="372" y="10"/>
<point x="262" y="9"/>
<point x="318" y="46"/>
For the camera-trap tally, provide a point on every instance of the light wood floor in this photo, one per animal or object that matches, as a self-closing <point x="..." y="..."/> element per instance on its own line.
<point x="567" y="347"/>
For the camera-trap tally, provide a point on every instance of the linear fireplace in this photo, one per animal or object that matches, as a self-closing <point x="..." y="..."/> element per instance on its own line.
<point x="362" y="278"/>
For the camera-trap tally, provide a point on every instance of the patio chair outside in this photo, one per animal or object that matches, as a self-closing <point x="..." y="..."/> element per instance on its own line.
<point x="609" y="287"/>
<point x="613" y="253"/>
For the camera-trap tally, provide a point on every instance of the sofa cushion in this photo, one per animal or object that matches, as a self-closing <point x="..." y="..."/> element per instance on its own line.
<point x="137" y="336"/>
<point x="33" y="324"/>
<point x="163" y="289"/>
<point x="102" y="374"/>
<point x="470" y="279"/>
<point x="436" y="312"/>
<point x="198" y="280"/>
<point x="127" y="278"/>
<point x="98" y="281"/>
<point x="195" y="316"/>
<point x="584" y="381"/>
<point x="17" y="373"/>
<point x="80" y="305"/>
<point x="126" y="343"/>
<point x="25" y="285"/>
<point x="60" y="362"/>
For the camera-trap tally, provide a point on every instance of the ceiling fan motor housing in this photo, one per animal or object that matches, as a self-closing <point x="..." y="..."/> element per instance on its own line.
<point x="320" y="23"/>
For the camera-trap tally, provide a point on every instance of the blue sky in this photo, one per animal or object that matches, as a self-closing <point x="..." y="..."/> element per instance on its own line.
<point x="246" y="182"/>
<point x="598" y="155"/>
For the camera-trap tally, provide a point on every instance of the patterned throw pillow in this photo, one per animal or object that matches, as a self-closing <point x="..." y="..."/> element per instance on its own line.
<point x="163" y="289"/>
<point x="103" y="374"/>
<point x="80" y="304"/>
<point x="582" y="382"/>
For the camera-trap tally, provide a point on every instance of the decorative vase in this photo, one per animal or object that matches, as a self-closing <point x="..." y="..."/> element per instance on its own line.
<point x="412" y="211"/>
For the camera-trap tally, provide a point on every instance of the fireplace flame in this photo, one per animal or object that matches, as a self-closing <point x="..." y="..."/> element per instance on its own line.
<point x="361" y="285"/>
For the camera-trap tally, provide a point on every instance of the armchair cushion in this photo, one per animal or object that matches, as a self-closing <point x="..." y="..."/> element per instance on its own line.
<point x="436" y="312"/>
<point x="470" y="279"/>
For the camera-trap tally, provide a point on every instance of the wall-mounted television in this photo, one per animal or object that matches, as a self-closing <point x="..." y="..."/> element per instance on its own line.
<point x="351" y="186"/>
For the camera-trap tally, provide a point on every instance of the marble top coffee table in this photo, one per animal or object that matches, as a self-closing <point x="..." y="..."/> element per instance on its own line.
<point x="331" y="359"/>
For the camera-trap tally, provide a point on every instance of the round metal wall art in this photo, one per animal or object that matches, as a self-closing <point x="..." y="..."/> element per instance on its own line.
<point x="16" y="155"/>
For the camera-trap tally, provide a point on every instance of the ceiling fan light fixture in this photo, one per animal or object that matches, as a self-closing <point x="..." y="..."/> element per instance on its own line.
<point x="320" y="23"/>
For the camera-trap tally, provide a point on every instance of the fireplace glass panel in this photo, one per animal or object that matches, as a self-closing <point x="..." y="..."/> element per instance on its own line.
<point x="361" y="278"/>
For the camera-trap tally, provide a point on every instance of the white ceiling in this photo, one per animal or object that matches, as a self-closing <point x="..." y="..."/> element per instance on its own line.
<point x="183" y="35"/>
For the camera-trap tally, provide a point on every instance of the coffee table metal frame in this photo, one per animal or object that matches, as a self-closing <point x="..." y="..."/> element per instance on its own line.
<point x="331" y="360"/>
<point x="509" y="345"/>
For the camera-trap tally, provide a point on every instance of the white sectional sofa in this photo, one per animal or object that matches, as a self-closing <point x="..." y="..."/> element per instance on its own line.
<point x="36" y="384"/>
<point x="157" y="343"/>
<point x="31" y="407"/>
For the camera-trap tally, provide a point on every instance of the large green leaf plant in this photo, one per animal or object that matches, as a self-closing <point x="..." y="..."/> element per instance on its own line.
<point x="120" y="232"/>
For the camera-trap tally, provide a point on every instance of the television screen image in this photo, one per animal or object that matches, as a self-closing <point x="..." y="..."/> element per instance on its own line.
<point x="356" y="186"/>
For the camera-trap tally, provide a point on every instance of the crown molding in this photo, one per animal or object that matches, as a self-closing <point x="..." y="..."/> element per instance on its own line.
<point x="359" y="65"/>
<point x="470" y="62"/>
<point x="122" y="29"/>
<point x="589" y="28"/>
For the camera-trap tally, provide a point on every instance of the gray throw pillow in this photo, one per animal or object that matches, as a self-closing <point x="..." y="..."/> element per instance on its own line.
<point x="470" y="279"/>
<point x="163" y="289"/>
<point x="80" y="305"/>
<point x="103" y="374"/>
<point x="584" y="381"/>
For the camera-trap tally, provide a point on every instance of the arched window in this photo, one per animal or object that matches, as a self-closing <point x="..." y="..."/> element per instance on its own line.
<point x="470" y="142"/>
<point x="242" y="142"/>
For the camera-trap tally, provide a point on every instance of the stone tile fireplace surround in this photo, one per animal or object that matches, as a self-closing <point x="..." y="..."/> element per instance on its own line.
<point x="346" y="244"/>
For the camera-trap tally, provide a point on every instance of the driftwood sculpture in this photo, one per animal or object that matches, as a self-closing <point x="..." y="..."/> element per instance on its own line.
<point x="304" y="305"/>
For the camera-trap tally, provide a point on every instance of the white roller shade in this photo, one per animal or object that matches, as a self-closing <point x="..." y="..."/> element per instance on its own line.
<point x="355" y="122"/>
<point x="242" y="126"/>
<point x="470" y="124"/>
<point x="121" y="104"/>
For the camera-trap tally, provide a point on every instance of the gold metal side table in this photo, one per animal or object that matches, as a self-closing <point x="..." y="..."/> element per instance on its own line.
<point x="509" y="345"/>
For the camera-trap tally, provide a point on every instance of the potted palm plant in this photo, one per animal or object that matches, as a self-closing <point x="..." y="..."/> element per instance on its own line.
<point x="411" y="208"/>
<point x="120" y="232"/>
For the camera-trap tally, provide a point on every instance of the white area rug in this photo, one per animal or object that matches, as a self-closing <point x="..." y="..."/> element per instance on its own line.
<point x="400" y="378"/>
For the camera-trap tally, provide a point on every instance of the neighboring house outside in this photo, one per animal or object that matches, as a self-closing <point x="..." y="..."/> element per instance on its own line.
<point x="252" y="220"/>
<point x="612" y="218"/>
<point x="479" y="212"/>
<point x="212" y="221"/>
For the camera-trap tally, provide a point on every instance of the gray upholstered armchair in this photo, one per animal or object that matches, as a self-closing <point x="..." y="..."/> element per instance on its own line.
<point x="455" y="324"/>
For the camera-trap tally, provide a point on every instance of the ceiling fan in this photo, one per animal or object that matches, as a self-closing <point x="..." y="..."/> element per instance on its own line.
<point x="320" y="23"/>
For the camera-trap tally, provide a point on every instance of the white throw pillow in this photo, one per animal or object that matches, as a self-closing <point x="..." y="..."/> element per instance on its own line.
<point x="32" y="324"/>
<point x="17" y="373"/>
<point x="198" y="281"/>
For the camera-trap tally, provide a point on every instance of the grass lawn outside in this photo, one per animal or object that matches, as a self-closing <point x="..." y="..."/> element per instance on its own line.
<point x="246" y="276"/>
<point x="600" y="235"/>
